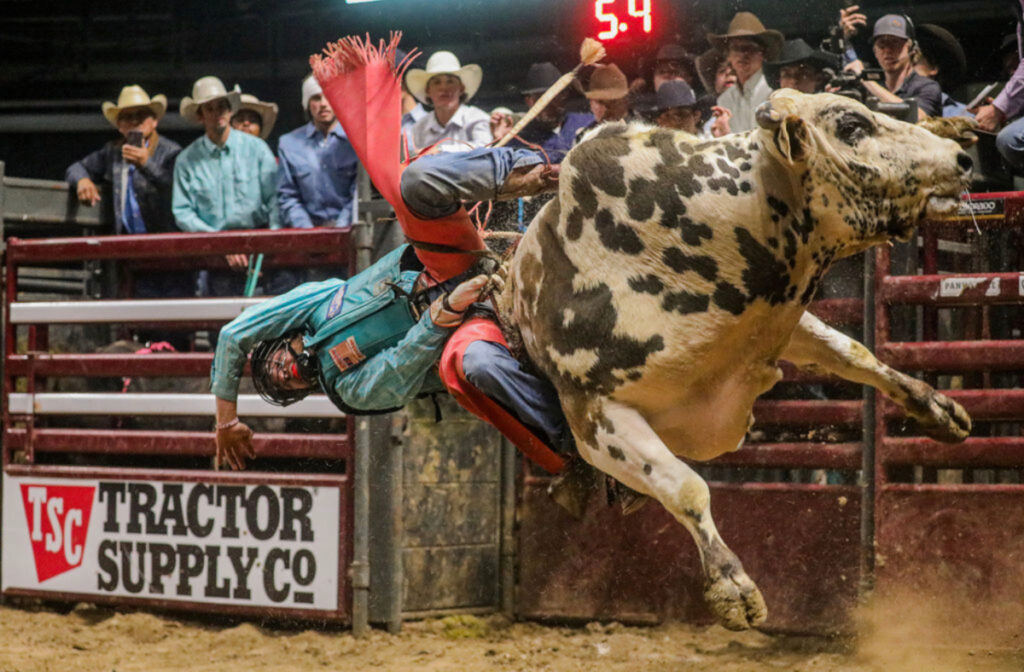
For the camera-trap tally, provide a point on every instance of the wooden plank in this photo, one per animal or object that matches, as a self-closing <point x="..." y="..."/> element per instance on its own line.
<point x="451" y="577"/>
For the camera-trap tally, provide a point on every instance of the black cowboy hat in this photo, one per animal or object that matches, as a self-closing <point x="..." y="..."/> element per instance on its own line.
<point x="671" y="94"/>
<point x="943" y="50"/>
<point x="539" y="78"/>
<point x="673" y="52"/>
<point x="798" y="51"/>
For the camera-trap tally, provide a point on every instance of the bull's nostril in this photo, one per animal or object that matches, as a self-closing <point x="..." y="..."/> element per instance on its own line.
<point x="965" y="162"/>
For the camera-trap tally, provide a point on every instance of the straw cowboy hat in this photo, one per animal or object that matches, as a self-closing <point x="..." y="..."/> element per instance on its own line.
<point x="134" y="96"/>
<point x="607" y="82"/>
<point x="267" y="111"/>
<point x="745" y="24"/>
<point x="443" y="63"/>
<point x="203" y="91"/>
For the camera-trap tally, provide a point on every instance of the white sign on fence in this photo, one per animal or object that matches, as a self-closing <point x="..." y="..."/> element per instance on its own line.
<point x="240" y="544"/>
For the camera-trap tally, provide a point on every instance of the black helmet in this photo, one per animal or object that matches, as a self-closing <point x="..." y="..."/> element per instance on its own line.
<point x="264" y="353"/>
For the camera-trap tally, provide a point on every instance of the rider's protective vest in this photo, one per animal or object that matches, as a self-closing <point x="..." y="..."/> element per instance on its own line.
<point x="370" y="313"/>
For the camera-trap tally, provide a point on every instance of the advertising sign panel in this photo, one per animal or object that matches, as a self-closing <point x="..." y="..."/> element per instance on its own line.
<point x="248" y="545"/>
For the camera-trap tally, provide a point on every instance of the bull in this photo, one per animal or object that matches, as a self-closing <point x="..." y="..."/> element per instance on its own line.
<point x="661" y="288"/>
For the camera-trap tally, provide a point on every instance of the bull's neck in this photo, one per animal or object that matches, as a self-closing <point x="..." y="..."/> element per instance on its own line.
<point x="789" y="228"/>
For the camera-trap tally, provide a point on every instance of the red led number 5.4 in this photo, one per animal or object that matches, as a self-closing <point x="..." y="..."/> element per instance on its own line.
<point x="604" y="11"/>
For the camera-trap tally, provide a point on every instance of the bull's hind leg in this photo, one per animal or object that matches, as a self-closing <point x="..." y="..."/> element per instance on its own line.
<point x="625" y="447"/>
<point x="816" y="345"/>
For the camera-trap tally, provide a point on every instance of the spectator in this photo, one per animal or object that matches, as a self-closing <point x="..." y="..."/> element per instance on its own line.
<point x="139" y="165"/>
<point x="553" y="129"/>
<point x="1008" y="105"/>
<point x="608" y="93"/>
<point x="412" y="109"/>
<point x="223" y="180"/>
<point x="1009" y="57"/>
<point x="747" y="45"/>
<point x="716" y="75"/>
<point x="316" y="179"/>
<point x="448" y="86"/>
<point x="894" y="46"/>
<point x="671" y="63"/>
<point x="802" y="68"/>
<point x="675" y="106"/>
<point x="140" y="168"/>
<point x="254" y="116"/>
<point x="942" y="58"/>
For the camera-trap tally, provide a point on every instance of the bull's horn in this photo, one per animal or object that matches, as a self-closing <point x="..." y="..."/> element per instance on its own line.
<point x="767" y="116"/>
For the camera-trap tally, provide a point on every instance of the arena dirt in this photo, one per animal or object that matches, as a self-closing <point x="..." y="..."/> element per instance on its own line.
<point x="97" y="639"/>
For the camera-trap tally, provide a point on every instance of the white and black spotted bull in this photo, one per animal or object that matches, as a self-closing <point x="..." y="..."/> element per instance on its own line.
<point x="661" y="288"/>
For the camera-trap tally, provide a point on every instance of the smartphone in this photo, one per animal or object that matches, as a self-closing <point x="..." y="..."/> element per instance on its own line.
<point x="980" y="98"/>
<point x="134" y="138"/>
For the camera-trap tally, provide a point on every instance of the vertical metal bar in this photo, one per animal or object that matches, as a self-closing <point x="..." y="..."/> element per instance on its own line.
<point x="395" y="476"/>
<point x="507" y="559"/>
<point x="362" y="240"/>
<point x="867" y="469"/>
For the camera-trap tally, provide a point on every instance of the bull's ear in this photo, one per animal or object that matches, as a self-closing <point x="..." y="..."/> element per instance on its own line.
<point x="789" y="132"/>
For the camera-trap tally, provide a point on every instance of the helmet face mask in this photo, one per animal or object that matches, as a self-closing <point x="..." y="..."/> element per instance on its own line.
<point x="262" y="362"/>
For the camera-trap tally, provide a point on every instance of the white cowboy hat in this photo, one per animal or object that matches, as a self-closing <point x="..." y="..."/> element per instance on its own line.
<point x="267" y="111"/>
<point x="443" y="63"/>
<point x="203" y="91"/>
<point x="134" y="96"/>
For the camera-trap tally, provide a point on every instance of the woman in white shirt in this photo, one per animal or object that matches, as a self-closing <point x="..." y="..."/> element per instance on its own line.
<point x="447" y="86"/>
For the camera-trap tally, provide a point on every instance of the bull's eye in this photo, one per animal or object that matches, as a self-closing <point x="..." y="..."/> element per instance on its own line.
<point x="853" y="127"/>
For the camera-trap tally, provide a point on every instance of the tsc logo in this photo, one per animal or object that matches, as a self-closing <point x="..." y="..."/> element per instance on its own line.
<point x="58" y="519"/>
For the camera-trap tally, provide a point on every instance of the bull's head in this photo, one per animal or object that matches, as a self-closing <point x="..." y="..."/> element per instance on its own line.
<point x="864" y="177"/>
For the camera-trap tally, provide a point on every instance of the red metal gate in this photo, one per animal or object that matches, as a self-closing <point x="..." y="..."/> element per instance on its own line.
<point x="808" y="546"/>
<point x="948" y="516"/>
<point x="266" y="543"/>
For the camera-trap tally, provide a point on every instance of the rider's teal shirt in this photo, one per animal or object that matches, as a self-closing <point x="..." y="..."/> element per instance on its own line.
<point x="388" y="379"/>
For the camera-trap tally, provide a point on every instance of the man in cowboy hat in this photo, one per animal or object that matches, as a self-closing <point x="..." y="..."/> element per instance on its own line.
<point x="747" y="44"/>
<point x="316" y="178"/>
<point x="447" y="86"/>
<point x="608" y="94"/>
<point x="553" y="129"/>
<point x="138" y="165"/>
<point x="894" y="44"/>
<point x="942" y="58"/>
<point x="673" y="62"/>
<point x="802" y="68"/>
<point x="254" y="116"/>
<point x="224" y="180"/>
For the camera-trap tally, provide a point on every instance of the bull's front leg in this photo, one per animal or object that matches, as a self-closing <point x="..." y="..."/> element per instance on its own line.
<point x="627" y="449"/>
<point x="816" y="345"/>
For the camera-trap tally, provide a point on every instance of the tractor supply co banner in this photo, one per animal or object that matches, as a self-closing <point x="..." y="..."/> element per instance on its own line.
<point x="237" y="544"/>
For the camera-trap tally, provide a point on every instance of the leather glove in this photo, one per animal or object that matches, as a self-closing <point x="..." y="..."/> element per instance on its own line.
<point x="448" y="309"/>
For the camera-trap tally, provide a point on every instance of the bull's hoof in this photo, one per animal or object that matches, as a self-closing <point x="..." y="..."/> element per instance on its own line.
<point x="735" y="601"/>
<point x="943" y="419"/>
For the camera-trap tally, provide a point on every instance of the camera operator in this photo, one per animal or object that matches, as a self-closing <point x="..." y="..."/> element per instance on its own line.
<point x="893" y="43"/>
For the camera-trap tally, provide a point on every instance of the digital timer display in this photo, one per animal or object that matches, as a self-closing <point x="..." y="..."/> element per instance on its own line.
<point x="615" y="17"/>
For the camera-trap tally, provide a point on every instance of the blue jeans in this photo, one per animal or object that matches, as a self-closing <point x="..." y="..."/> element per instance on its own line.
<point x="1010" y="143"/>
<point x="532" y="400"/>
<point x="435" y="185"/>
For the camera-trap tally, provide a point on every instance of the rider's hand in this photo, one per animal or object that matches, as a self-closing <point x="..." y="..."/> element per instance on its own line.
<point x="447" y="310"/>
<point x="234" y="444"/>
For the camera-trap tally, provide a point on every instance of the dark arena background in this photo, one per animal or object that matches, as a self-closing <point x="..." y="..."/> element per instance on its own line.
<point x="61" y="59"/>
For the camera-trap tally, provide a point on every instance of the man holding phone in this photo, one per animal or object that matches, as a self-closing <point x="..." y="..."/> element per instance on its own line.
<point x="139" y="165"/>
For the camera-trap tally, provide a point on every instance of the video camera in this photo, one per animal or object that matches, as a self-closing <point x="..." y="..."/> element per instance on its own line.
<point x="851" y="85"/>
